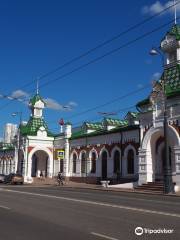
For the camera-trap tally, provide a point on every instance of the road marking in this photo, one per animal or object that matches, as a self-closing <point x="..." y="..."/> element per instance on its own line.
<point x="4" y="207"/>
<point x="97" y="203"/>
<point x="103" y="236"/>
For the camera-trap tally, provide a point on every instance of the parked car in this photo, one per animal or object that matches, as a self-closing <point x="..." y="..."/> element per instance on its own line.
<point x="13" y="178"/>
<point x="2" y="177"/>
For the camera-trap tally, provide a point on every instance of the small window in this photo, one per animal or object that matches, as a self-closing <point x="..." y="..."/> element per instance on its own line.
<point x="74" y="163"/>
<point x="130" y="162"/>
<point x="61" y="166"/>
<point x="93" y="162"/>
<point x="117" y="162"/>
<point x="83" y="162"/>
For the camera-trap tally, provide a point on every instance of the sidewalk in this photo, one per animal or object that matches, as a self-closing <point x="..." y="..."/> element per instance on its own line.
<point x="110" y="188"/>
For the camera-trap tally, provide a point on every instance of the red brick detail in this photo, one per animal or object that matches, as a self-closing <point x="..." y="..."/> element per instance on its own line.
<point x="29" y="149"/>
<point x="108" y="147"/>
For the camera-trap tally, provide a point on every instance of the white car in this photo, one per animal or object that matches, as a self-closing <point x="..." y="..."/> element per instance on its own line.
<point x="2" y="176"/>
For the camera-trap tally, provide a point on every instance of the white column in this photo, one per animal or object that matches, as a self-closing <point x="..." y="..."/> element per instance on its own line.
<point x="50" y="166"/>
<point x="16" y="160"/>
<point x="145" y="167"/>
<point x="28" y="168"/>
<point x="8" y="167"/>
<point x="0" y="166"/>
<point x="5" y="167"/>
<point x="66" y="158"/>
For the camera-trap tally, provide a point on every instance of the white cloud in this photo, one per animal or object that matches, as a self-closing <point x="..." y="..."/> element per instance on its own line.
<point x="52" y="104"/>
<point x="19" y="94"/>
<point x="156" y="76"/>
<point x="72" y="104"/>
<point x="158" y="7"/>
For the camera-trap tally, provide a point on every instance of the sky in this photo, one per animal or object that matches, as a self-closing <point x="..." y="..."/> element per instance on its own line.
<point x="39" y="36"/>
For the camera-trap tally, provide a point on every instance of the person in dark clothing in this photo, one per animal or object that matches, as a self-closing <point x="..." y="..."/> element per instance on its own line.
<point x="60" y="179"/>
<point x="41" y="175"/>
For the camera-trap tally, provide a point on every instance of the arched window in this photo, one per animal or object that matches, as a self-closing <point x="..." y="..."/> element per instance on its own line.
<point x="74" y="162"/>
<point x="117" y="162"/>
<point x="130" y="162"/>
<point x="61" y="165"/>
<point x="104" y="165"/>
<point x="93" y="162"/>
<point x="83" y="162"/>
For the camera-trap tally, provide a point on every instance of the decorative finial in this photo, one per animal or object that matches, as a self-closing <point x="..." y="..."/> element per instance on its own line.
<point x="37" y="87"/>
<point x="175" y="12"/>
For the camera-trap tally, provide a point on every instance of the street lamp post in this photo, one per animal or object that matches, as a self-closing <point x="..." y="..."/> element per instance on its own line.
<point x="19" y="133"/>
<point x="168" y="183"/>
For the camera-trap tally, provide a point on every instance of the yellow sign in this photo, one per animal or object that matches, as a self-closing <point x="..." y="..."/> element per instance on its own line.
<point x="60" y="154"/>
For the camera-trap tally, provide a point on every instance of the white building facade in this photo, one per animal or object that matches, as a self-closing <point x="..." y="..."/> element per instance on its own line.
<point x="152" y="148"/>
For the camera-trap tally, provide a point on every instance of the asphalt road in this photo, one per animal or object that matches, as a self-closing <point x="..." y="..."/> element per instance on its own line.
<point x="30" y="213"/>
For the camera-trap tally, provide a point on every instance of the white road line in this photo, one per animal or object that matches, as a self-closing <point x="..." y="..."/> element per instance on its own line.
<point x="103" y="236"/>
<point x="4" y="207"/>
<point x="97" y="203"/>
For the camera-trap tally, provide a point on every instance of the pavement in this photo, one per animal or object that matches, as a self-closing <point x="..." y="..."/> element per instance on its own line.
<point x="77" y="185"/>
<point x="32" y="212"/>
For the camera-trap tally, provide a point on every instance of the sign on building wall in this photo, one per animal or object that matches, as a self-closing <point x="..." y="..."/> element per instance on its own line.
<point x="60" y="154"/>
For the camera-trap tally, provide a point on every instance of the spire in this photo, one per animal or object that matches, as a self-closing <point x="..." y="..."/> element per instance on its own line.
<point x="175" y="12"/>
<point x="37" y="87"/>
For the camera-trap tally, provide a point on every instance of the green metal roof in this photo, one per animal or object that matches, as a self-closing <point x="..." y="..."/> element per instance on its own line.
<point x="35" y="99"/>
<point x="93" y="126"/>
<point x="6" y="146"/>
<point x="134" y="114"/>
<point x="115" y="122"/>
<point x="83" y="134"/>
<point x="99" y="128"/>
<point x="175" y="31"/>
<point x="33" y="126"/>
<point x="171" y="77"/>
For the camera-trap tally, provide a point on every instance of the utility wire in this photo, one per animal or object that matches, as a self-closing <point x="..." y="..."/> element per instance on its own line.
<point x="106" y="42"/>
<point x="98" y="46"/>
<point x="103" y="56"/>
<point x="98" y="118"/>
<point x="107" y="54"/>
<point x="109" y="102"/>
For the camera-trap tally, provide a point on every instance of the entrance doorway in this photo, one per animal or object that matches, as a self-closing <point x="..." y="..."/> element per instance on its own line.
<point x="160" y="162"/>
<point x="104" y="165"/>
<point x="39" y="163"/>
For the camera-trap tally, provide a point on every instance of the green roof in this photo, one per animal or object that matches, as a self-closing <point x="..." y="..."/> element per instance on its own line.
<point x="94" y="126"/>
<point x="6" y="146"/>
<point x="83" y="134"/>
<point x="175" y="31"/>
<point x="171" y="77"/>
<point x="33" y="126"/>
<point x="35" y="99"/>
<point x="115" y="122"/>
<point x="134" y="114"/>
<point x="99" y="128"/>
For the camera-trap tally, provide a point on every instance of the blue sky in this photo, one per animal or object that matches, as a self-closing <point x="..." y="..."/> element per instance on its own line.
<point x="37" y="36"/>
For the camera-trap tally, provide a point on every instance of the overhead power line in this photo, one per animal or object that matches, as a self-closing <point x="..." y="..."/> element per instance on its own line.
<point x="108" y="103"/>
<point x="94" y="49"/>
<point x="107" y="54"/>
<point x="98" y="46"/>
<point x="131" y="28"/>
